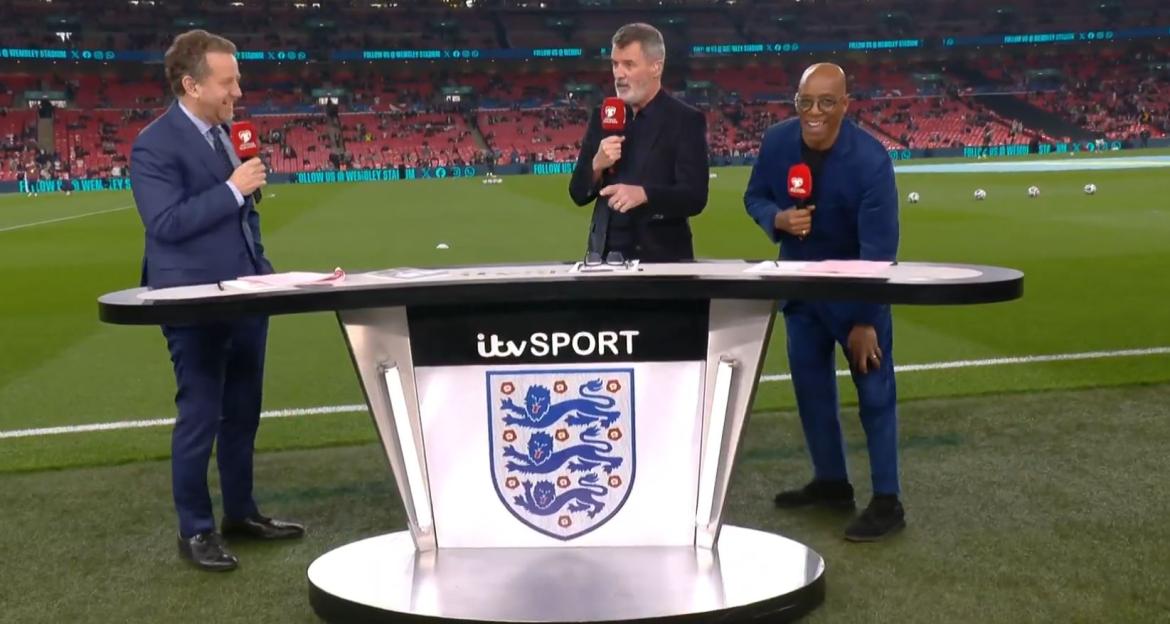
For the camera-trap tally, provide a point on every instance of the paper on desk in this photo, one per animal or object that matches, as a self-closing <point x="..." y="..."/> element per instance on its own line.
<point x="776" y="267"/>
<point x="295" y="278"/>
<point x="827" y="268"/>
<point x="850" y="267"/>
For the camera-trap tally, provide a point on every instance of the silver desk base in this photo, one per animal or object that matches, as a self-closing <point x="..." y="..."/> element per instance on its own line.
<point x="752" y="576"/>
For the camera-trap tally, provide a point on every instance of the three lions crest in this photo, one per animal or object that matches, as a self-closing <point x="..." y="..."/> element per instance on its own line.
<point x="562" y="446"/>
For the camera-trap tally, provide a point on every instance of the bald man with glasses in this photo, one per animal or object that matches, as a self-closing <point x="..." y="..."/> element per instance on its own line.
<point x="853" y="214"/>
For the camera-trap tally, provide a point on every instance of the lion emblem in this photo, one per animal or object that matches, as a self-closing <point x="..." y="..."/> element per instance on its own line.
<point x="542" y="459"/>
<point x="562" y="445"/>
<point x="542" y="499"/>
<point x="539" y="411"/>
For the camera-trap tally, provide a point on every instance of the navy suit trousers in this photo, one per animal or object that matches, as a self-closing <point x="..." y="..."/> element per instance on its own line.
<point x="219" y="370"/>
<point x="814" y="332"/>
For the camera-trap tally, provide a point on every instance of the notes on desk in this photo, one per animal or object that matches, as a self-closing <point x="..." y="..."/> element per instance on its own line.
<point x="291" y="279"/>
<point x="847" y="267"/>
<point x="865" y="269"/>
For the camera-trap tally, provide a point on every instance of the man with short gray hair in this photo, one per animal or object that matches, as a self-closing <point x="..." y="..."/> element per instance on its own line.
<point x="648" y="178"/>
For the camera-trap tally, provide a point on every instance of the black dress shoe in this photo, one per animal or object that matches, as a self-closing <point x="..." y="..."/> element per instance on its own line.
<point x="882" y="518"/>
<point x="208" y="552"/>
<point x="262" y="527"/>
<point x="829" y="494"/>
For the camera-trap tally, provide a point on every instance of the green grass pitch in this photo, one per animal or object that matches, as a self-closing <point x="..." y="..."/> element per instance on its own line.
<point x="1033" y="491"/>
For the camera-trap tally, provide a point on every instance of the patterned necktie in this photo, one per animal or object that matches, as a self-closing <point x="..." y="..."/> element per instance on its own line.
<point x="215" y="134"/>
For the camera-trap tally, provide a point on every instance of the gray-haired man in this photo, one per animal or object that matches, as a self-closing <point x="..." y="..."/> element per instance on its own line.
<point x="653" y="175"/>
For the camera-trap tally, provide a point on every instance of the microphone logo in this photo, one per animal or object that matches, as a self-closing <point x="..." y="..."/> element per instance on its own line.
<point x="800" y="183"/>
<point x="245" y="140"/>
<point x="613" y="115"/>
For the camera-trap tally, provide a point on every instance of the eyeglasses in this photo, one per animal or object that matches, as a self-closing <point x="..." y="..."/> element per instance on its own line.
<point x="613" y="258"/>
<point x="613" y="261"/>
<point x="826" y="103"/>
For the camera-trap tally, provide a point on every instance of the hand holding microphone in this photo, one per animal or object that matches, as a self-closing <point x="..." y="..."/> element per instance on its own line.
<point x="251" y="174"/>
<point x="613" y="123"/>
<point x="608" y="153"/>
<point x="797" y="222"/>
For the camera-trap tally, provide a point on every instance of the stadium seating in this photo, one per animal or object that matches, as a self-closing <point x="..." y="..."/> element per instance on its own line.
<point x="399" y="115"/>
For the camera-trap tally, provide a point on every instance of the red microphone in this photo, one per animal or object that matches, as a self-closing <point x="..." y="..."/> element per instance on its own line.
<point x="613" y="119"/>
<point x="246" y="142"/>
<point x="613" y="115"/>
<point x="800" y="184"/>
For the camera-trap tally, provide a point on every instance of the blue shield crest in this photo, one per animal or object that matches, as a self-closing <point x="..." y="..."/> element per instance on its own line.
<point x="562" y="446"/>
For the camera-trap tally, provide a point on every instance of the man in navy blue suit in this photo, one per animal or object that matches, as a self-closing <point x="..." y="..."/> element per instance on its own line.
<point x="853" y="215"/>
<point x="197" y="202"/>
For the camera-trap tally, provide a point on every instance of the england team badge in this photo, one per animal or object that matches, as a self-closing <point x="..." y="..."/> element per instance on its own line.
<point x="562" y="446"/>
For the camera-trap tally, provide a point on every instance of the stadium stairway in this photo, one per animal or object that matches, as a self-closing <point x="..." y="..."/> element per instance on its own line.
<point x="336" y="134"/>
<point x="874" y="128"/>
<point x="1012" y="107"/>
<point x="473" y="125"/>
<point x="501" y="31"/>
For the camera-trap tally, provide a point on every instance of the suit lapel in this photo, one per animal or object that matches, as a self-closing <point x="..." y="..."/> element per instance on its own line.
<point x="197" y="146"/>
<point x="656" y="121"/>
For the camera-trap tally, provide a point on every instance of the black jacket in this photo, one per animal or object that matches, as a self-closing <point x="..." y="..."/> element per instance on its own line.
<point x="671" y="166"/>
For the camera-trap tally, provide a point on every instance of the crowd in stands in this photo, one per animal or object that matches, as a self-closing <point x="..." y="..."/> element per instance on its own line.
<point x="1119" y="95"/>
<point x="443" y="115"/>
<point x="321" y="25"/>
<point x="404" y="126"/>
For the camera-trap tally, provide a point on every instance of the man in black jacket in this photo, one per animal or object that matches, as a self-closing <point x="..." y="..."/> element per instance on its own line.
<point x="648" y="179"/>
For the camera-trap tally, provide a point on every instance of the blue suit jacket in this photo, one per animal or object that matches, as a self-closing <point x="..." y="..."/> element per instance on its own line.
<point x="856" y="200"/>
<point x="194" y="227"/>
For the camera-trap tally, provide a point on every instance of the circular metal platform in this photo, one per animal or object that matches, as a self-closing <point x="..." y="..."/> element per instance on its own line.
<point x="751" y="577"/>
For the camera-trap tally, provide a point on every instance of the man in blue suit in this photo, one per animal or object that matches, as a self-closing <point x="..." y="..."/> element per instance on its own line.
<point x="197" y="202"/>
<point x="853" y="215"/>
